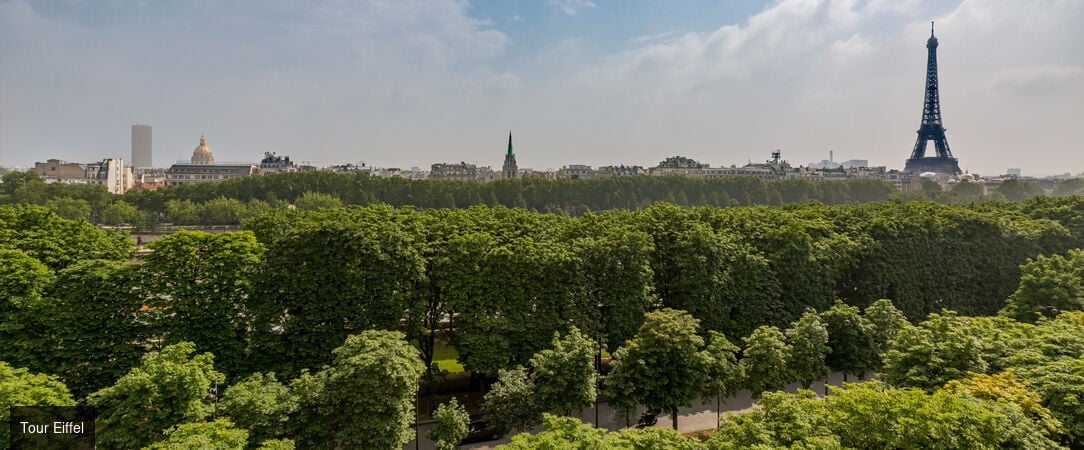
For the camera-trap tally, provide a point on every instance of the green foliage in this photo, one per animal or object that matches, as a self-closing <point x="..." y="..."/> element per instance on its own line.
<point x="1072" y="186"/>
<point x="1015" y="190"/>
<point x="311" y="201"/>
<point x="511" y="403"/>
<point x="20" y="387"/>
<point x="1004" y="389"/>
<point x="564" y="375"/>
<point x="1048" y="285"/>
<point x="183" y="212"/>
<point x="119" y="213"/>
<point x="765" y="360"/>
<point x="70" y="208"/>
<point x="885" y="322"/>
<point x="560" y="433"/>
<point x="261" y="405"/>
<point x="328" y="274"/>
<point x="56" y="242"/>
<point x="276" y="444"/>
<point x="96" y="328"/>
<point x="870" y="415"/>
<point x="780" y="420"/>
<point x="662" y="367"/>
<point x="23" y="281"/>
<point x="569" y="433"/>
<point x="365" y="399"/>
<point x="851" y="340"/>
<point x="808" y="341"/>
<point x="1060" y="383"/>
<point x="451" y="425"/>
<point x="724" y="376"/>
<point x="649" y="438"/>
<point x="940" y="349"/>
<point x="217" y="435"/>
<point x="202" y="283"/>
<point x="168" y="388"/>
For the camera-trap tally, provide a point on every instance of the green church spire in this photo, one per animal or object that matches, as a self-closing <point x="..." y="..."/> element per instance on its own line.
<point x="509" y="143"/>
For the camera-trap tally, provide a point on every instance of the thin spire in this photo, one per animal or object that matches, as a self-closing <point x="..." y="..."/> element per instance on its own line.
<point x="509" y="142"/>
<point x="931" y="28"/>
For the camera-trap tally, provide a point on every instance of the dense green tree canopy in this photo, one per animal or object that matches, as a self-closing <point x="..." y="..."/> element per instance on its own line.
<point x="168" y="388"/>
<point x="662" y="367"/>
<point x="20" y="387"/>
<point x="365" y="398"/>
<point x="451" y="425"/>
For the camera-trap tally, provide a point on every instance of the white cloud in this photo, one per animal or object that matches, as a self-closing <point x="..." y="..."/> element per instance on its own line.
<point x="572" y="7"/>
<point x="652" y="37"/>
<point x="1038" y="80"/>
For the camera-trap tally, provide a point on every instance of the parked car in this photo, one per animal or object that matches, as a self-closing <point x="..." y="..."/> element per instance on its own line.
<point x="479" y="430"/>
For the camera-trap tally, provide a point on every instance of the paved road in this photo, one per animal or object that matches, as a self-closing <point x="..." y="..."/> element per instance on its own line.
<point x="698" y="417"/>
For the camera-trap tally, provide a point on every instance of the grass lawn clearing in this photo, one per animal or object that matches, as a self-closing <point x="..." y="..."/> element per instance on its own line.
<point x="447" y="358"/>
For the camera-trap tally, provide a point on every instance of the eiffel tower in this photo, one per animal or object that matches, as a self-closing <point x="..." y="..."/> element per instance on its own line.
<point x="932" y="128"/>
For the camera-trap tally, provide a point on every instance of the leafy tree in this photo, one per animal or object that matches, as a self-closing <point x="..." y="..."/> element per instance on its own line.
<point x="276" y="444"/>
<point x="940" y="349"/>
<point x="564" y="378"/>
<point x="451" y="427"/>
<point x="1048" y="284"/>
<point x="374" y="376"/>
<point x="168" y="388"/>
<point x="781" y="420"/>
<point x="511" y="404"/>
<point x="662" y="367"/>
<point x="1005" y="389"/>
<point x="1072" y="186"/>
<point x="369" y="268"/>
<point x="56" y="242"/>
<point x="218" y="435"/>
<point x="850" y="337"/>
<point x="1060" y="383"/>
<point x="647" y="439"/>
<point x="570" y="433"/>
<point x="615" y="266"/>
<point x="183" y="212"/>
<point x="560" y="432"/>
<point x="261" y="405"/>
<point x="23" y="281"/>
<point x="1015" y="190"/>
<point x="312" y="201"/>
<point x="885" y="322"/>
<point x="764" y="361"/>
<point x="869" y="415"/>
<point x="20" y="387"/>
<point x="808" y="342"/>
<point x="722" y="372"/>
<point x="70" y="208"/>
<point x="203" y="283"/>
<point x="222" y="211"/>
<point x="119" y="213"/>
<point x="96" y="326"/>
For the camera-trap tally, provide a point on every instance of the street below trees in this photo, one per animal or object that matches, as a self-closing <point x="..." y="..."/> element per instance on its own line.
<point x="700" y="416"/>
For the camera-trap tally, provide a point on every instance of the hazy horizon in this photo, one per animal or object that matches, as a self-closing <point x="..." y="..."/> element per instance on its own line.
<point x="410" y="83"/>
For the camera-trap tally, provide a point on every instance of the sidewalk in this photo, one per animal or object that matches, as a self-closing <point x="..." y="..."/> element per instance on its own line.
<point x="698" y="417"/>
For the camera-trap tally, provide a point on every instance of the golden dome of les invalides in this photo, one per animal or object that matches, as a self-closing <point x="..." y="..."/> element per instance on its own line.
<point x="202" y="154"/>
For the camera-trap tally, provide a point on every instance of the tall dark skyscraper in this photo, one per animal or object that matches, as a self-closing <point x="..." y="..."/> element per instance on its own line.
<point x="141" y="146"/>
<point x="932" y="128"/>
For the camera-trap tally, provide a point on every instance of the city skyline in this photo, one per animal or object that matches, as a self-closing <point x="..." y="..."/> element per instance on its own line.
<point x="401" y="84"/>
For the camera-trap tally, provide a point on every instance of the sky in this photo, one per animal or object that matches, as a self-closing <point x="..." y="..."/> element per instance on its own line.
<point x="402" y="83"/>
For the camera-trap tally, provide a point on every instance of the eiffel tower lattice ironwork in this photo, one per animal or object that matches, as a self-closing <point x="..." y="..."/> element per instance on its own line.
<point x="932" y="129"/>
